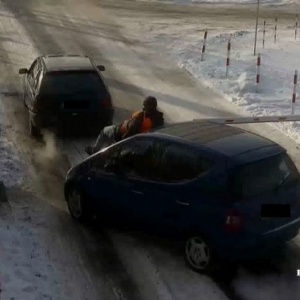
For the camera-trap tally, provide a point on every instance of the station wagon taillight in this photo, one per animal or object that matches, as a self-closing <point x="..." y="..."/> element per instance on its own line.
<point x="233" y="221"/>
<point x="106" y="103"/>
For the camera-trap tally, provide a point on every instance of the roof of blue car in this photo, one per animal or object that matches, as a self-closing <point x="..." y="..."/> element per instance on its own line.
<point x="224" y="139"/>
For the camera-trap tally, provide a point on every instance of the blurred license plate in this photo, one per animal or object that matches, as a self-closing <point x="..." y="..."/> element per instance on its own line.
<point x="275" y="211"/>
<point x="76" y="104"/>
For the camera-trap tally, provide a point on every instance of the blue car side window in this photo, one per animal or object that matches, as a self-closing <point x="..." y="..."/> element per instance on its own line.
<point x="181" y="163"/>
<point x="98" y="162"/>
<point x="136" y="158"/>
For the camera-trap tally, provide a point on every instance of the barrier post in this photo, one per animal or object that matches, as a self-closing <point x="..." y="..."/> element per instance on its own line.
<point x="296" y="26"/>
<point x="275" y="31"/>
<point x="204" y="45"/>
<point x="294" y="91"/>
<point x="264" y="34"/>
<point x="257" y="72"/>
<point x="228" y="56"/>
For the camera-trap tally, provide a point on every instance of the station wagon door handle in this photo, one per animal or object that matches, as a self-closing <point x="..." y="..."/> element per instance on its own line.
<point x="182" y="203"/>
<point x="137" y="192"/>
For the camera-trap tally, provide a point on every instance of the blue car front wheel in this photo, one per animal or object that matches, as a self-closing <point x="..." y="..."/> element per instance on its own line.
<point x="78" y="205"/>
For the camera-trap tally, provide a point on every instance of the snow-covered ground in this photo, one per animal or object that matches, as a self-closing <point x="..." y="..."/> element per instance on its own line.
<point x="43" y="255"/>
<point x="11" y="168"/>
<point x="30" y="267"/>
<point x="278" y="64"/>
<point x="25" y="266"/>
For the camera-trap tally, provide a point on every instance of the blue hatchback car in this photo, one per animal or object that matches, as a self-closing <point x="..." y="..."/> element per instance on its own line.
<point x="228" y="193"/>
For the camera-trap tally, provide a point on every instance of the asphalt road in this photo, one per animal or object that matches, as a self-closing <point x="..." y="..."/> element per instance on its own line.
<point x="103" y="264"/>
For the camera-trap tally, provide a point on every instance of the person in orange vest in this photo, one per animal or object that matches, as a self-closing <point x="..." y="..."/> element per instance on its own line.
<point x="140" y="121"/>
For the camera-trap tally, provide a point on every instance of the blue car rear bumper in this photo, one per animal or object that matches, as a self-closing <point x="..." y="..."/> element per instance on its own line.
<point x="259" y="246"/>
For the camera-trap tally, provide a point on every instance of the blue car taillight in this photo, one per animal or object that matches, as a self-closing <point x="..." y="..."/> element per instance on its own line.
<point x="233" y="221"/>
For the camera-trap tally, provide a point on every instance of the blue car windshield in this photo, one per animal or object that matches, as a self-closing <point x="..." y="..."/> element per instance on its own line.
<point x="72" y="82"/>
<point x="263" y="176"/>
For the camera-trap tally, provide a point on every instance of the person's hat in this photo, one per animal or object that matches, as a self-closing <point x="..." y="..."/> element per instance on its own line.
<point x="150" y="103"/>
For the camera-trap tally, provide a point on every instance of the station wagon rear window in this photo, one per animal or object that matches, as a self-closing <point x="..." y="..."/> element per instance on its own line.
<point x="73" y="82"/>
<point x="263" y="176"/>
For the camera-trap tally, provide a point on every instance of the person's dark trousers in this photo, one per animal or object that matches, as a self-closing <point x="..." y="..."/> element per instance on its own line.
<point x="105" y="138"/>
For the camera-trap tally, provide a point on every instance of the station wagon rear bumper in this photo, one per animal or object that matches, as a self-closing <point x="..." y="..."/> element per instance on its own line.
<point x="73" y="120"/>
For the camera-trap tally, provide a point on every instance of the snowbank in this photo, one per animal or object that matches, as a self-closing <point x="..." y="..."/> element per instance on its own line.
<point x="277" y="287"/>
<point x="278" y="64"/>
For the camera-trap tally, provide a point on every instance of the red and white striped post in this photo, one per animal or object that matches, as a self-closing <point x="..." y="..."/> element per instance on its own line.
<point x="296" y="26"/>
<point x="264" y="34"/>
<point x="294" y="91"/>
<point x="204" y="45"/>
<point x="257" y="72"/>
<point x="275" y="31"/>
<point x="228" y="56"/>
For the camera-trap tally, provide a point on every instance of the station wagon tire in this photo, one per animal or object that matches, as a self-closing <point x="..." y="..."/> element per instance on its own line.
<point x="33" y="130"/>
<point x="24" y="102"/>
<point x="78" y="205"/>
<point x="199" y="255"/>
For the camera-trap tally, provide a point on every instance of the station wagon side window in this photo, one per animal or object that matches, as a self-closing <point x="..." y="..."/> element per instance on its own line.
<point x="38" y="80"/>
<point x="33" y="71"/>
<point x="182" y="163"/>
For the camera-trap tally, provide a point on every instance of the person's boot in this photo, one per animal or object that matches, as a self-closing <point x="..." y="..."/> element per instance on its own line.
<point x="89" y="150"/>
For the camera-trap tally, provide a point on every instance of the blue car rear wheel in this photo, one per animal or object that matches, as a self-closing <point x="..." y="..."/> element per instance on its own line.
<point x="198" y="254"/>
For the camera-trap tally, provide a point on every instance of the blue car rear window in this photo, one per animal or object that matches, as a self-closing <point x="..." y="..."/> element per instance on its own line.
<point x="263" y="176"/>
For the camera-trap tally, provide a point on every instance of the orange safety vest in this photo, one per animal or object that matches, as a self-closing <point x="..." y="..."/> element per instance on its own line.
<point x="145" y="125"/>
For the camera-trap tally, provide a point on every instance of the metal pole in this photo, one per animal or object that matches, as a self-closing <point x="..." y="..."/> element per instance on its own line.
<point x="257" y="14"/>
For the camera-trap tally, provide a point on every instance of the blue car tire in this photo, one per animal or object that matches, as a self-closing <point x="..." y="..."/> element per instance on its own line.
<point x="199" y="255"/>
<point x="78" y="205"/>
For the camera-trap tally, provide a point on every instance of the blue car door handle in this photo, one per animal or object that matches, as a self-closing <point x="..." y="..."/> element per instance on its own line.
<point x="182" y="203"/>
<point x="137" y="192"/>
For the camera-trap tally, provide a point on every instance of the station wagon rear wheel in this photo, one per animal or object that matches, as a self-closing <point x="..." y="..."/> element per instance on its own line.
<point x="33" y="130"/>
<point x="24" y="100"/>
<point x="198" y="254"/>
